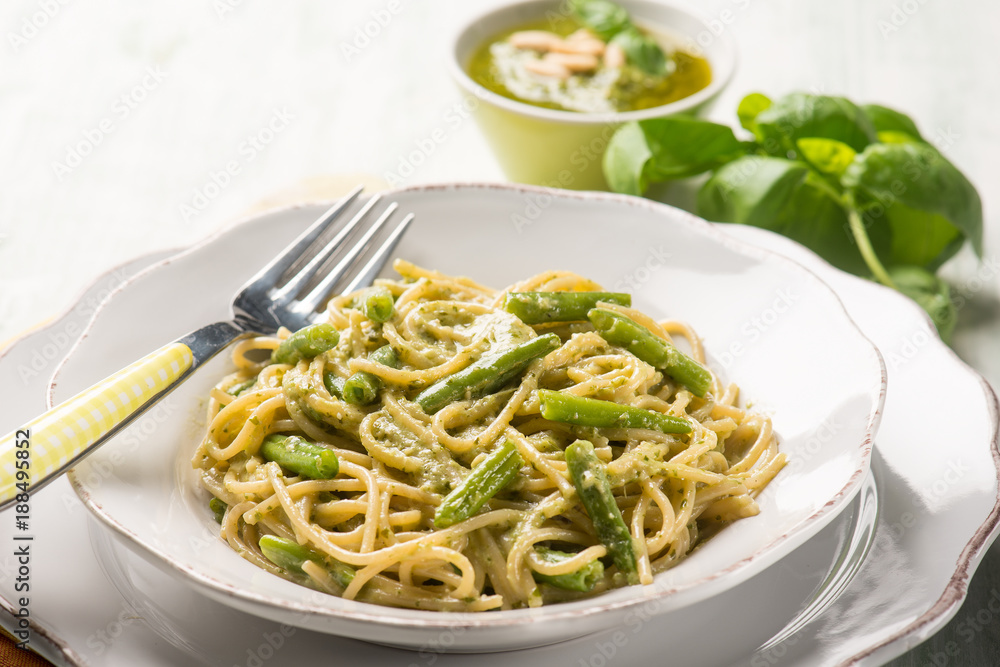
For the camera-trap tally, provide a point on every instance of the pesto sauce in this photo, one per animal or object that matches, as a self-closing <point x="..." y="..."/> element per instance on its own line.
<point x="494" y="66"/>
<point x="438" y="471"/>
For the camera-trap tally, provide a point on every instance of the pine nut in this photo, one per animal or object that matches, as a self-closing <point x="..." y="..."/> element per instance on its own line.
<point x="614" y="56"/>
<point x="536" y="40"/>
<point x="544" y="67"/>
<point x="586" y="46"/>
<point x="574" y="62"/>
<point x="583" y="33"/>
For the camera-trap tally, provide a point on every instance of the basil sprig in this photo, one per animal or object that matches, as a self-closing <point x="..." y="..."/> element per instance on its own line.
<point x="613" y="25"/>
<point x="858" y="185"/>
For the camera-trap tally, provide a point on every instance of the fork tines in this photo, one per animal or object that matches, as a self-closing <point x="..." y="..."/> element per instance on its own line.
<point x="351" y="259"/>
<point x="342" y="266"/>
<point x="330" y="257"/>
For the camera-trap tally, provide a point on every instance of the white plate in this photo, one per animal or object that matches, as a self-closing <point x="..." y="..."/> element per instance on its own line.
<point x="817" y="571"/>
<point x="78" y="618"/>
<point x="808" y="365"/>
<point x="940" y="483"/>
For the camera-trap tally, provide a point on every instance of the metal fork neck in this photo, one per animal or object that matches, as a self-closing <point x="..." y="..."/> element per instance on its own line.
<point x="209" y="340"/>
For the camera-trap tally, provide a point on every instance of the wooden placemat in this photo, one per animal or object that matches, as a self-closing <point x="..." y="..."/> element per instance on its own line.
<point x="12" y="656"/>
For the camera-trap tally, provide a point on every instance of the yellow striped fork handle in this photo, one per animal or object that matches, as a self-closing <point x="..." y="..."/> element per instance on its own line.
<point x="51" y="443"/>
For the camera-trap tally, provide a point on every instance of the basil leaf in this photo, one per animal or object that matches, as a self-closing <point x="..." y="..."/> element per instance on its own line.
<point x="799" y="115"/>
<point x="785" y="197"/>
<point x="666" y="148"/>
<point x="931" y="293"/>
<point x="642" y="51"/>
<point x="894" y="137"/>
<point x="625" y="160"/>
<point x="750" y="107"/>
<point x="829" y="156"/>
<point x="683" y="146"/>
<point x="750" y="189"/>
<point x="928" y="204"/>
<point x="889" y="120"/>
<point x="605" y="18"/>
<point x="918" y="237"/>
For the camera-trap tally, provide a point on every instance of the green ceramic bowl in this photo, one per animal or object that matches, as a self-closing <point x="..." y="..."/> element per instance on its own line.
<point x="563" y="149"/>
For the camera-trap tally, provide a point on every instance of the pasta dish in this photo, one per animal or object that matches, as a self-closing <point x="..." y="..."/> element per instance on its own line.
<point x="436" y="444"/>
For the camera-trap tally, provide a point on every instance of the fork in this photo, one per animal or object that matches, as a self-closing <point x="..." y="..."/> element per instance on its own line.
<point x="289" y="291"/>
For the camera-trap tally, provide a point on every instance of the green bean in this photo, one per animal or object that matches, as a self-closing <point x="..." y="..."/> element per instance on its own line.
<point x="494" y="473"/>
<point x="218" y="508"/>
<point x="362" y="388"/>
<point x="591" y="481"/>
<point x="291" y="556"/>
<point x="621" y="330"/>
<point x="377" y="304"/>
<point x="287" y="554"/>
<point x="305" y="343"/>
<point x="487" y="374"/>
<point x="559" y="406"/>
<point x="582" y="580"/>
<point x="300" y="456"/>
<point x="539" y="307"/>
<point x="334" y="384"/>
<point x="241" y="387"/>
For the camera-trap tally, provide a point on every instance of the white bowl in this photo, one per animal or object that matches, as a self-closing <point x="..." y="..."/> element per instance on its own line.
<point x="807" y="365"/>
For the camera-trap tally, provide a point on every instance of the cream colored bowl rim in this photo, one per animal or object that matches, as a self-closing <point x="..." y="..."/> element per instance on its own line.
<point x="723" y="60"/>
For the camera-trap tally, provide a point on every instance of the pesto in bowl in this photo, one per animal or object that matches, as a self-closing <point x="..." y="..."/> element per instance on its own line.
<point x="558" y="63"/>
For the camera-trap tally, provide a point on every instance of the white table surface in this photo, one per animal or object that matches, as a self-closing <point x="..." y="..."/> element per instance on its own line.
<point x="116" y="116"/>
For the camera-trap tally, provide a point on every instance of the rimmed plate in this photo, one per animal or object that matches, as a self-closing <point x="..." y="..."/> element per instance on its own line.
<point x="940" y="505"/>
<point x="815" y="572"/>
<point x="808" y="365"/>
<point x="868" y="625"/>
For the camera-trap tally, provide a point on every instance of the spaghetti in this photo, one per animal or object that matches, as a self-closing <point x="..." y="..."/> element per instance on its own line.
<point x="493" y="449"/>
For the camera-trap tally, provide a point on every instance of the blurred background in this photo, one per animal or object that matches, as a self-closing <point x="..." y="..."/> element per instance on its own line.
<point x="130" y="127"/>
